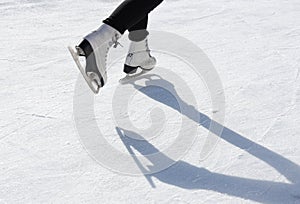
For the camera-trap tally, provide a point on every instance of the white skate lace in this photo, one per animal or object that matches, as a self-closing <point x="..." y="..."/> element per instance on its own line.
<point x="113" y="43"/>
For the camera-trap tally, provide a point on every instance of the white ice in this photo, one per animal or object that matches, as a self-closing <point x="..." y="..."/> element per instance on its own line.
<point x="254" y="46"/>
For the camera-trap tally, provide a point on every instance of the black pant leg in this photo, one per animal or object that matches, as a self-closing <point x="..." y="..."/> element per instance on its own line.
<point x="131" y="13"/>
<point x="141" y="25"/>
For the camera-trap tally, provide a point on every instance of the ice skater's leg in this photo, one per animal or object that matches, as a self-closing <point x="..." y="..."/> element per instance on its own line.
<point x="141" y="25"/>
<point x="95" y="46"/>
<point x="139" y="53"/>
<point x="130" y="13"/>
<point x="139" y="32"/>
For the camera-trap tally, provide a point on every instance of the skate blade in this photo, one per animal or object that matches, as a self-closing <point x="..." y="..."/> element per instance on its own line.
<point x="130" y="78"/>
<point x="91" y="83"/>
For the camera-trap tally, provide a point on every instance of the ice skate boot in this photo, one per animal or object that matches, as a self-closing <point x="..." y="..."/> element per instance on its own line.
<point x="94" y="49"/>
<point x="138" y="61"/>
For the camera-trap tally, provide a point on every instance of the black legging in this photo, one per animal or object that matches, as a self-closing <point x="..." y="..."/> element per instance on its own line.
<point x="132" y="15"/>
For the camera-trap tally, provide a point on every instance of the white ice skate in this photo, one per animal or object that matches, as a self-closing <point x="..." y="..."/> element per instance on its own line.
<point x="138" y="61"/>
<point x="94" y="49"/>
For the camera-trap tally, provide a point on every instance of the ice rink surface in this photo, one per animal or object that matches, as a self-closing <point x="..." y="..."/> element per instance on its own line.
<point x="253" y="45"/>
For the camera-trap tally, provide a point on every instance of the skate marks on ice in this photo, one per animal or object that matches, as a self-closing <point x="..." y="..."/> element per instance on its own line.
<point x="187" y="176"/>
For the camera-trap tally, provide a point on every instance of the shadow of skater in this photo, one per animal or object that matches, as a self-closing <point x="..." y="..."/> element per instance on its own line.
<point x="187" y="176"/>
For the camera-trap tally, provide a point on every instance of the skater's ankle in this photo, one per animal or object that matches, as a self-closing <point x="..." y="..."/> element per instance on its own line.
<point x="138" y="35"/>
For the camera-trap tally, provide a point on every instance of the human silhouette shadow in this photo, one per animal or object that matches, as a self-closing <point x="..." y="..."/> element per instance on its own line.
<point x="188" y="176"/>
